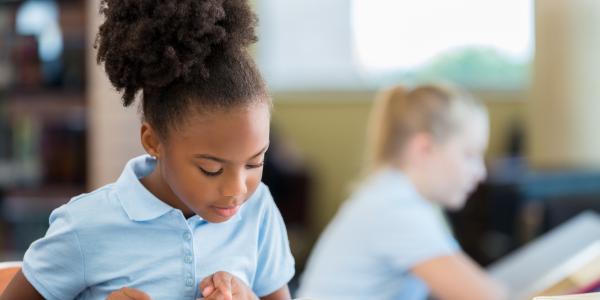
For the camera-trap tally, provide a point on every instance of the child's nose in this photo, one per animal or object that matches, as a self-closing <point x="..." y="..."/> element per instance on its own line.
<point x="234" y="185"/>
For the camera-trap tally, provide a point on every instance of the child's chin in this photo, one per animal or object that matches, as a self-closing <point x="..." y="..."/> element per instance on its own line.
<point x="455" y="204"/>
<point x="216" y="218"/>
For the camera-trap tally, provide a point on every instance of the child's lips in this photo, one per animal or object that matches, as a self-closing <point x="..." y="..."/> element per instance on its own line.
<point x="226" y="211"/>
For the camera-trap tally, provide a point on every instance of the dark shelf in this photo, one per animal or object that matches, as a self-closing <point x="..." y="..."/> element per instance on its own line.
<point x="47" y="106"/>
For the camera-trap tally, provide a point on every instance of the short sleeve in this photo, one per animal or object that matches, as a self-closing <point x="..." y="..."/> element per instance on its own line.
<point x="54" y="264"/>
<point x="413" y="235"/>
<point x="275" y="266"/>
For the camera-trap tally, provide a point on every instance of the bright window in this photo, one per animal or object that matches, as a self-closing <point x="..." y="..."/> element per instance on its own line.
<point x="312" y="44"/>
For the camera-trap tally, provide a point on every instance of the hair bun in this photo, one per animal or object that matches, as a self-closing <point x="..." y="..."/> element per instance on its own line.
<point x="150" y="44"/>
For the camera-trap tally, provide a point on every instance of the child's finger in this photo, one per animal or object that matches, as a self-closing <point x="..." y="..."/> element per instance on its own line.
<point x="216" y="295"/>
<point x="117" y="295"/>
<point x="222" y="282"/>
<point x="207" y="286"/>
<point x="135" y="294"/>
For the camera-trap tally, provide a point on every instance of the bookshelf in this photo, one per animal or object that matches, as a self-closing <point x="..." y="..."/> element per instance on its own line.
<point x="43" y="114"/>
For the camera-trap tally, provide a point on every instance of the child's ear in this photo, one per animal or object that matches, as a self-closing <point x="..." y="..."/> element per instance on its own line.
<point x="150" y="140"/>
<point x="421" y="144"/>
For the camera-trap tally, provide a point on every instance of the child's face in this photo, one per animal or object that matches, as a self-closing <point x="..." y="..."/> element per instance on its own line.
<point x="456" y="166"/>
<point x="213" y="163"/>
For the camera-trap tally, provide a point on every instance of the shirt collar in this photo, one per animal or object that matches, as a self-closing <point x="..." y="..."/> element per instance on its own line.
<point x="137" y="201"/>
<point x="401" y="185"/>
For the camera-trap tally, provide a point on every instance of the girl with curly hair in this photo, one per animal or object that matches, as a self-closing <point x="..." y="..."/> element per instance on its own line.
<point x="190" y="219"/>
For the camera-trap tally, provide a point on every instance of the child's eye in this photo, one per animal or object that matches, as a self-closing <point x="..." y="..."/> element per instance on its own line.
<point x="207" y="173"/>
<point x="256" y="165"/>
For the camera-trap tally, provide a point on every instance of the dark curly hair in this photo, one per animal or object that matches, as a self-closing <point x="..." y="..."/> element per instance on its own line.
<point x="180" y="53"/>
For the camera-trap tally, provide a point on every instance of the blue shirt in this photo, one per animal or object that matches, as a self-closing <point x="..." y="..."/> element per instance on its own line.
<point x="122" y="235"/>
<point x="367" y="251"/>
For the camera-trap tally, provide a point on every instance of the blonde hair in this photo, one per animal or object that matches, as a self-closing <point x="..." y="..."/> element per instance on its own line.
<point x="399" y="113"/>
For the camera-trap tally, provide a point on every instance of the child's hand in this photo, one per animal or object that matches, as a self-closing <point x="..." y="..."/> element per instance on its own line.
<point x="128" y="294"/>
<point x="224" y="286"/>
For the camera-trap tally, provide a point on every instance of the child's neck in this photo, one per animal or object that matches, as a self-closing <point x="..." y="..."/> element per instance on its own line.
<point x="416" y="177"/>
<point x="154" y="183"/>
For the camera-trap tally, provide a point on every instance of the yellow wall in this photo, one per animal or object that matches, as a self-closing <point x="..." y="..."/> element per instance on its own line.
<point x="329" y="128"/>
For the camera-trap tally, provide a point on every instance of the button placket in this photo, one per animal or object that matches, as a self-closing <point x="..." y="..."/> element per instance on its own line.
<point x="189" y="282"/>
<point x="188" y="263"/>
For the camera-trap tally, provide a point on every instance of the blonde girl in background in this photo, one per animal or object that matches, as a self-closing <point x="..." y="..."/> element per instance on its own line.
<point x="389" y="241"/>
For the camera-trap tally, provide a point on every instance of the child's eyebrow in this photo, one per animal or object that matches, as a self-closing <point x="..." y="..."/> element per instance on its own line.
<point x="222" y="160"/>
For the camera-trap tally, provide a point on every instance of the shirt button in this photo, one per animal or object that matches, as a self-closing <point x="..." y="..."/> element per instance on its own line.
<point x="189" y="282"/>
<point x="188" y="252"/>
<point x="187" y="236"/>
<point x="188" y="259"/>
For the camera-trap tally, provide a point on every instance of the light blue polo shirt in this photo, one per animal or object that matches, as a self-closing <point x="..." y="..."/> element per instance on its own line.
<point x="122" y="235"/>
<point x="379" y="234"/>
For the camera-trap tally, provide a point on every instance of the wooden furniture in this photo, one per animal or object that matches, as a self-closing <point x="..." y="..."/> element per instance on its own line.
<point x="7" y="272"/>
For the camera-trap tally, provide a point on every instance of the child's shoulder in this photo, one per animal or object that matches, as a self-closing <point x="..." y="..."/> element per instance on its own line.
<point x="262" y="192"/>
<point x="260" y="201"/>
<point x="99" y="193"/>
<point x="389" y="198"/>
<point x="100" y="196"/>
<point x="87" y="207"/>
